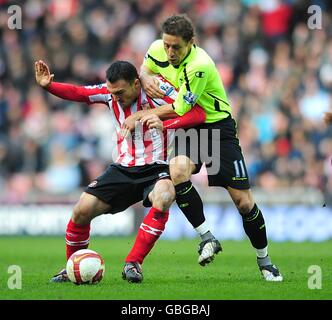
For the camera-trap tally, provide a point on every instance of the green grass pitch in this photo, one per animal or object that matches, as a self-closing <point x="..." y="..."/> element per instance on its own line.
<point x="171" y="271"/>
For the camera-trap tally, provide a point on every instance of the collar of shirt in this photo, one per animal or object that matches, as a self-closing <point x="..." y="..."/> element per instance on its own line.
<point x="189" y="56"/>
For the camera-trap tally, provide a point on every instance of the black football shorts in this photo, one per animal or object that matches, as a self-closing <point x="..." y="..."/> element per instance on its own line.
<point x="121" y="186"/>
<point x="216" y="145"/>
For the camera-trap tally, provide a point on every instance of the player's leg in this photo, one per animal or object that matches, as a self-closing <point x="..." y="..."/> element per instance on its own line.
<point x="190" y="203"/>
<point x="152" y="226"/>
<point x="254" y="227"/>
<point x="103" y="195"/>
<point x="232" y="174"/>
<point x="78" y="227"/>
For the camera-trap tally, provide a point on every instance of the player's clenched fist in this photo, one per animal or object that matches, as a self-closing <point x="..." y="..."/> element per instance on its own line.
<point x="42" y="74"/>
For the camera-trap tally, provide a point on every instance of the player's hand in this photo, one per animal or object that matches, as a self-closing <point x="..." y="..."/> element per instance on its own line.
<point x="328" y="118"/>
<point x="128" y="126"/>
<point x="151" y="87"/>
<point x="152" y="121"/>
<point x="146" y="106"/>
<point x="42" y="74"/>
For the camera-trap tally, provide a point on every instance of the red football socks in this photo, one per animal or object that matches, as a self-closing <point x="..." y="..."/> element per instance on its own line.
<point x="77" y="237"/>
<point x="150" y="230"/>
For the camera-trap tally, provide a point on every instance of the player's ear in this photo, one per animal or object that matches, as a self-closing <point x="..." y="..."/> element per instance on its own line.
<point x="137" y="83"/>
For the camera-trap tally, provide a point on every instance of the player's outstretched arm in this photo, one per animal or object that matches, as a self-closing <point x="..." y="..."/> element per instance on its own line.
<point x="42" y="74"/>
<point x="87" y="94"/>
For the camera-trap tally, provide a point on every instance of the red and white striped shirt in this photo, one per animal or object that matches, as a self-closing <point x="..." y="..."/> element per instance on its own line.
<point x="144" y="146"/>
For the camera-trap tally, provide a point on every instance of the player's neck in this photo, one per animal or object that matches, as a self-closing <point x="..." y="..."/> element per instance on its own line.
<point x="183" y="58"/>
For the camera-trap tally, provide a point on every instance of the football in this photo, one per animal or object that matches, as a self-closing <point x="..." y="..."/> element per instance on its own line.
<point x="85" y="267"/>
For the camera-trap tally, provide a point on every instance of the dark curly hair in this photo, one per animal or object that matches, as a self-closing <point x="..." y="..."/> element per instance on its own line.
<point x="121" y="70"/>
<point x="178" y="25"/>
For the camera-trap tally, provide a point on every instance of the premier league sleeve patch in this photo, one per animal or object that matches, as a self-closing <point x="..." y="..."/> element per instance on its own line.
<point x="190" y="98"/>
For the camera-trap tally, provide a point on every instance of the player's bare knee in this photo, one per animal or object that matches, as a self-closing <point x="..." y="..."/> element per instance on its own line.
<point x="242" y="199"/>
<point x="244" y="206"/>
<point x="163" y="195"/>
<point x="180" y="169"/>
<point x="81" y="214"/>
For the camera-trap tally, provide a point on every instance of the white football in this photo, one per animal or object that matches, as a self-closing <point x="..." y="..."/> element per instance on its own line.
<point x="85" y="267"/>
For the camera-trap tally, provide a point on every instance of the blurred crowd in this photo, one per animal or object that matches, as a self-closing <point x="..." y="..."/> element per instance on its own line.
<point x="276" y="69"/>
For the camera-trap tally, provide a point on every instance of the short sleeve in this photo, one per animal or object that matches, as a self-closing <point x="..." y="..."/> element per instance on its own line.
<point x="152" y="55"/>
<point x="194" y="83"/>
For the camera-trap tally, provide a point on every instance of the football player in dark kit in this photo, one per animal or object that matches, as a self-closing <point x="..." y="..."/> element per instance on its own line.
<point x="191" y="70"/>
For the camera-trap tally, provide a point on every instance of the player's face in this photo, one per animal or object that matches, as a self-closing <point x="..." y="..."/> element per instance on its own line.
<point x="124" y="92"/>
<point x="176" y="48"/>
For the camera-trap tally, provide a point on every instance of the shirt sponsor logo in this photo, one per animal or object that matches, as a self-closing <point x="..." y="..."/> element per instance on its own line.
<point x="137" y="136"/>
<point x="154" y="133"/>
<point x="200" y="74"/>
<point x="190" y="98"/>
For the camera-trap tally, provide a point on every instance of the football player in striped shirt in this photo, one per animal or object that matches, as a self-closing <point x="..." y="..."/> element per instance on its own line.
<point x="141" y="170"/>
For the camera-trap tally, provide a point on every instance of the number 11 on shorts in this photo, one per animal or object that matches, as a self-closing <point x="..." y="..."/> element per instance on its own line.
<point x="239" y="169"/>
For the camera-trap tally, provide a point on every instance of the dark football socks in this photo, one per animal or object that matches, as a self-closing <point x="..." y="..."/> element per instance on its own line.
<point x="254" y="227"/>
<point x="190" y="203"/>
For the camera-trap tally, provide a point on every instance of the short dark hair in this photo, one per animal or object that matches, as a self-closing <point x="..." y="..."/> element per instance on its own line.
<point x="178" y="25"/>
<point x="121" y="70"/>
